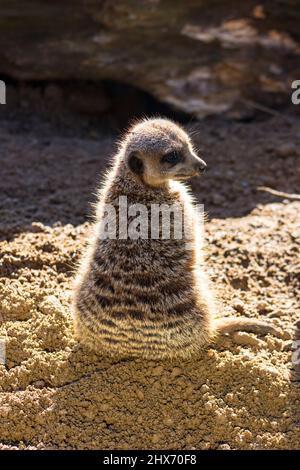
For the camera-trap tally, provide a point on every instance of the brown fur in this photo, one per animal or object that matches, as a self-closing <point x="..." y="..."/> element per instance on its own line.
<point x="149" y="297"/>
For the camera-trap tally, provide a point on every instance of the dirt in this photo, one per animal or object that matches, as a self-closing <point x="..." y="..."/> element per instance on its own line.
<point x="240" y="394"/>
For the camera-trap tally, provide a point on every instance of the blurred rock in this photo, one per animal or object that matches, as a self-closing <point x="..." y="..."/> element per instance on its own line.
<point x="200" y="57"/>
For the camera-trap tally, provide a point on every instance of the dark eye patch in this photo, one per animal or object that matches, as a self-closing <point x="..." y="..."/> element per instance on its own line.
<point x="172" y="157"/>
<point x="136" y="164"/>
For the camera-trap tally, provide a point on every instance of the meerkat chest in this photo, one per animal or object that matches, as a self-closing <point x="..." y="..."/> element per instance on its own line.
<point x="145" y="237"/>
<point x="167" y="217"/>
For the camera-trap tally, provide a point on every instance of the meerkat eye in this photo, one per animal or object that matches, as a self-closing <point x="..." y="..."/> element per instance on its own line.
<point x="172" y="157"/>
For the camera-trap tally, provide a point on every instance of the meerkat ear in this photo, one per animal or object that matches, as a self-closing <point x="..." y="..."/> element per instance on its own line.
<point x="135" y="164"/>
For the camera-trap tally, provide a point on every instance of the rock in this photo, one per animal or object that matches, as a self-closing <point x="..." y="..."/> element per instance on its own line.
<point x="193" y="55"/>
<point x="4" y="411"/>
<point x="224" y="447"/>
<point x="274" y="344"/>
<point x="263" y="307"/>
<point x="140" y="395"/>
<point x="286" y="335"/>
<point x="156" y="438"/>
<point x="52" y="305"/>
<point x="239" y="306"/>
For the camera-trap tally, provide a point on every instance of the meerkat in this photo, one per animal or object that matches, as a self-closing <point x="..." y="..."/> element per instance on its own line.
<point x="150" y="297"/>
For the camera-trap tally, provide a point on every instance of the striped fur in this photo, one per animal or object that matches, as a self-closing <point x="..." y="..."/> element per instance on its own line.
<point x="142" y="297"/>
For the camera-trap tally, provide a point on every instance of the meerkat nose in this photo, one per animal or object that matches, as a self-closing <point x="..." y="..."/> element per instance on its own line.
<point x="201" y="166"/>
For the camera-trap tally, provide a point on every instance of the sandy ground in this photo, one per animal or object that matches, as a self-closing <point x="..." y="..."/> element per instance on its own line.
<point x="54" y="393"/>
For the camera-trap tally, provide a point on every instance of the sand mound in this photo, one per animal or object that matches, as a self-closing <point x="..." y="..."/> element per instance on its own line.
<point x="55" y="394"/>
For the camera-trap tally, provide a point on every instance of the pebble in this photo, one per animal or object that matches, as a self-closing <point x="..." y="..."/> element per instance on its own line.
<point x="140" y="395"/>
<point x="156" y="438"/>
<point x="263" y="306"/>
<point x="224" y="447"/>
<point x="4" y="411"/>
<point x="239" y="306"/>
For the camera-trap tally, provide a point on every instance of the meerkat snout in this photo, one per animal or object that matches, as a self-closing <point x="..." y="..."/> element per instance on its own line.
<point x="200" y="166"/>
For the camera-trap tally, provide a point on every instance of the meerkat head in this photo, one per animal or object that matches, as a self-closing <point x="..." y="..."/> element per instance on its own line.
<point x="157" y="150"/>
